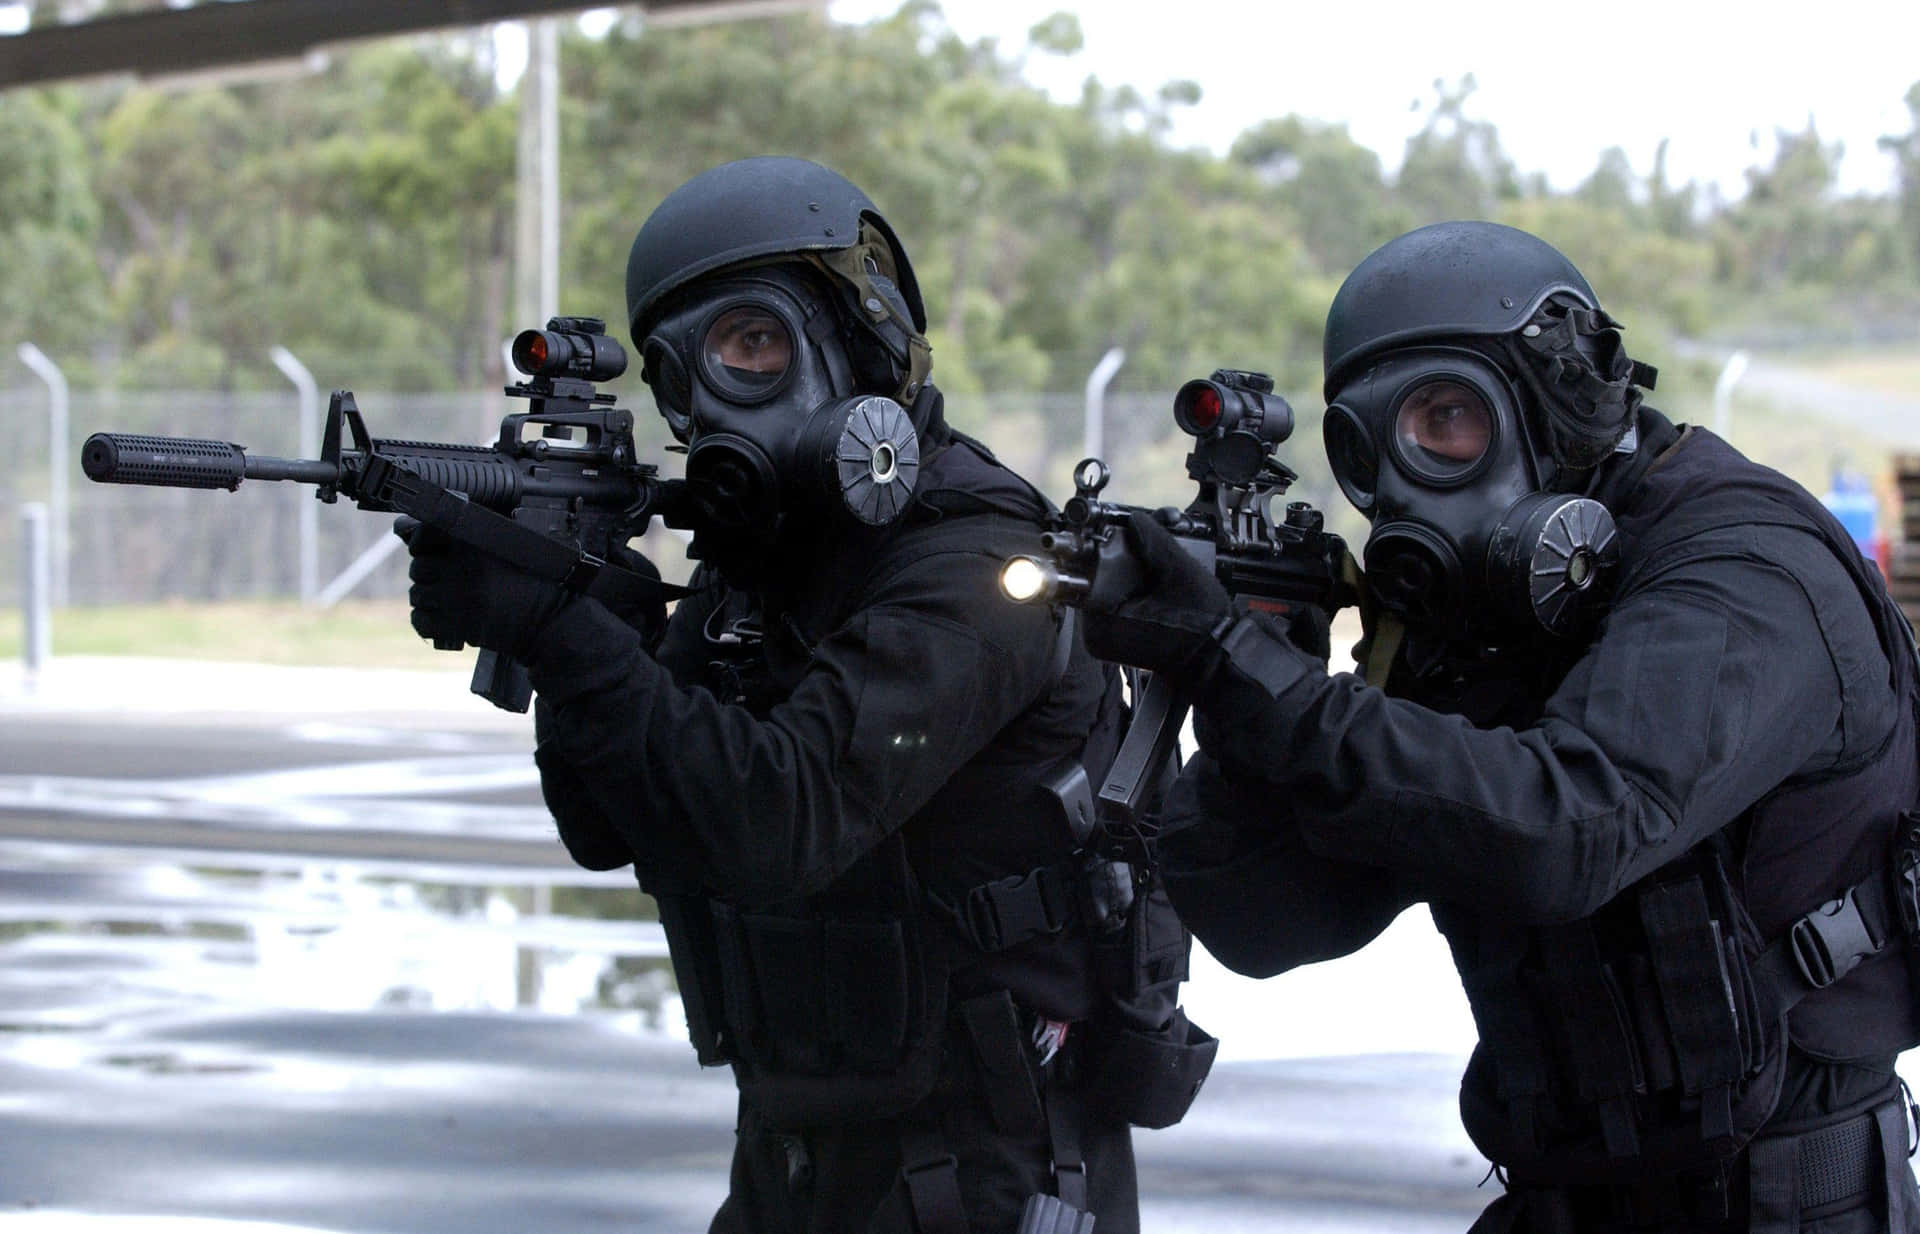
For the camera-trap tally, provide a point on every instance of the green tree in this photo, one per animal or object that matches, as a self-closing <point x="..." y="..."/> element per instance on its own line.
<point x="1328" y="182"/>
<point x="1905" y="151"/>
<point x="357" y="216"/>
<point x="1454" y="167"/>
<point x="1612" y="184"/>
<point x="54" y="293"/>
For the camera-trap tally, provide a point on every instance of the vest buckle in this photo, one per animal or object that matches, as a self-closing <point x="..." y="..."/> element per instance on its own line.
<point x="1830" y="941"/>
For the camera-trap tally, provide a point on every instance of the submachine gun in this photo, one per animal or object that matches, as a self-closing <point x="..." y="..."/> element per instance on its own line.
<point x="1280" y="566"/>
<point x="556" y="494"/>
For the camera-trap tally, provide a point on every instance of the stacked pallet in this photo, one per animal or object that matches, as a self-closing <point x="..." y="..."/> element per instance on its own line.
<point x="1903" y="572"/>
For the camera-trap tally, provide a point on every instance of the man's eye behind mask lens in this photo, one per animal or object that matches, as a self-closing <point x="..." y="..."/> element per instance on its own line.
<point x="748" y="350"/>
<point x="1444" y="428"/>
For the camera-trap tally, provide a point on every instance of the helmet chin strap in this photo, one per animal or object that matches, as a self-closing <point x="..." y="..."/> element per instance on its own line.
<point x="1383" y="647"/>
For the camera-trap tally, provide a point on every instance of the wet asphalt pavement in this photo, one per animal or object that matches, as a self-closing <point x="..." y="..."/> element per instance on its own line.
<point x="316" y="1042"/>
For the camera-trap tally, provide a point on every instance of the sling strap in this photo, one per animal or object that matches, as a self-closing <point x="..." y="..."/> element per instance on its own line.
<point x="932" y="1177"/>
<point x="1065" y="1121"/>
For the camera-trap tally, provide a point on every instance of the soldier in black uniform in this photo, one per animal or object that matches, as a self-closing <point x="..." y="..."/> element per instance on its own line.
<point x="1637" y="723"/>
<point x="852" y="777"/>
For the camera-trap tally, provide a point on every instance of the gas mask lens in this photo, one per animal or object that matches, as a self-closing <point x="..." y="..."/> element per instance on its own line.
<point x="747" y="352"/>
<point x="1351" y="454"/>
<point x="1443" y="429"/>
<point x="661" y="369"/>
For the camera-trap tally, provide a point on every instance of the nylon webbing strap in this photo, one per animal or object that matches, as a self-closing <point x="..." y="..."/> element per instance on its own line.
<point x="1010" y="911"/>
<point x="1388" y="632"/>
<point x="1506" y="1025"/>
<point x="1830" y="1169"/>
<point x="1837" y="1163"/>
<point x="932" y="1176"/>
<point x="1599" y="1043"/>
<point x="994" y="1028"/>
<point x="1064" y="1121"/>
<point x="1826" y="944"/>
<point x="1890" y="1120"/>
<point x="1773" y="1186"/>
<point x="1062" y="649"/>
<point x="1684" y="943"/>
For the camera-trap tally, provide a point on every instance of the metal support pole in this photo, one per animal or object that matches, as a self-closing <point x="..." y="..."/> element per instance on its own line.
<point x="1093" y="438"/>
<point x="526" y="198"/>
<point x="537" y="210"/>
<point x="366" y="563"/>
<point x="1730" y="375"/>
<point x="50" y="373"/>
<point x="546" y="53"/>
<point x="36" y="644"/>
<point x="309" y="509"/>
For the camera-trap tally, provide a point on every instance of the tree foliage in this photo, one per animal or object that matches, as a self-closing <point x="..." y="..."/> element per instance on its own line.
<point x="362" y="216"/>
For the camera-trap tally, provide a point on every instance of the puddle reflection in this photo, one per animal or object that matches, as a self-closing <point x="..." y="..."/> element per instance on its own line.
<point x="76" y="943"/>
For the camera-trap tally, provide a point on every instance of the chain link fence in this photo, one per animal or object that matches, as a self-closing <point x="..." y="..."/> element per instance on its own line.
<point x="132" y="545"/>
<point x="135" y="545"/>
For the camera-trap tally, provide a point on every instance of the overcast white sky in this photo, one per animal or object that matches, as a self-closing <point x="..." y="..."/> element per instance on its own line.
<point x="1562" y="81"/>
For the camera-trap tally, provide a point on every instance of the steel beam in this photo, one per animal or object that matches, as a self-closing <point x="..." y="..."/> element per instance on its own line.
<point x="213" y="36"/>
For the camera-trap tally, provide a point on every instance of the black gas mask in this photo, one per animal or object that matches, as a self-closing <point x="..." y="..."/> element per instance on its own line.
<point x="752" y="375"/>
<point x="1431" y="444"/>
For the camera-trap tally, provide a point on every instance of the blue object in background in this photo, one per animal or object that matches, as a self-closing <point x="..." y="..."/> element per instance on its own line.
<point x="1852" y="500"/>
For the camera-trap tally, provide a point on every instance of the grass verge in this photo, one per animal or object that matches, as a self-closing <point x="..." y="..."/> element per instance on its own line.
<point x="353" y="633"/>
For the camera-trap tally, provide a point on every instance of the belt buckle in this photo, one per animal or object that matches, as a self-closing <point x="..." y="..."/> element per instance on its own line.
<point x="1830" y="941"/>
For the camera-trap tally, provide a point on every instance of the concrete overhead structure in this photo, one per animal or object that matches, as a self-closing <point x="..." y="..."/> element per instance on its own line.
<point x="217" y="35"/>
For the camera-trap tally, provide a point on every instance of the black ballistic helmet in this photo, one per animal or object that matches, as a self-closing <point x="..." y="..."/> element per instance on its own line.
<point x="1520" y="296"/>
<point x="750" y="210"/>
<point x="1443" y="281"/>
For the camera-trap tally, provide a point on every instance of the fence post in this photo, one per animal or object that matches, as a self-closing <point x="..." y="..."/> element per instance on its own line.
<point x="50" y="373"/>
<point x="1094" y="429"/>
<point x="1730" y="374"/>
<point x="36" y="643"/>
<point x="309" y="509"/>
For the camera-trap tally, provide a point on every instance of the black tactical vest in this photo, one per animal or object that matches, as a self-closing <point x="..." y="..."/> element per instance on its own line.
<point x="1651" y="1037"/>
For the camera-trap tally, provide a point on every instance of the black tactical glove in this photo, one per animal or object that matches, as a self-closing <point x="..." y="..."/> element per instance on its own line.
<point x="1170" y="622"/>
<point x="463" y="595"/>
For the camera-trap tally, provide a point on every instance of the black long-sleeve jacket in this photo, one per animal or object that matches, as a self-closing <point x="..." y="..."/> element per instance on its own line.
<point x="897" y="692"/>
<point x="1742" y="686"/>
<point x="1746" y="662"/>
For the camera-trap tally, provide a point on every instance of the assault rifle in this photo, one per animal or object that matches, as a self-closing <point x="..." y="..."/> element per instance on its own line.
<point x="1280" y="566"/>
<point x="556" y="494"/>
